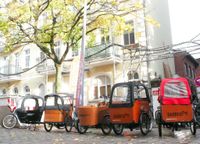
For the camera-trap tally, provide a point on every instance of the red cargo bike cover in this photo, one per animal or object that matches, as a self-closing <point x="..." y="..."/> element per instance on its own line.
<point x="174" y="91"/>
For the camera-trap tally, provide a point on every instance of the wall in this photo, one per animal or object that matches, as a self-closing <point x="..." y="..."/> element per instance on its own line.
<point x="159" y="36"/>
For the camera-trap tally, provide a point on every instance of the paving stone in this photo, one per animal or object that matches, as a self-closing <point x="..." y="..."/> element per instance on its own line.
<point x="93" y="136"/>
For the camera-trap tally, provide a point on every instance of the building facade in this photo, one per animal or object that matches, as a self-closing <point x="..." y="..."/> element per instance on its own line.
<point x="138" y="54"/>
<point x="186" y="66"/>
<point x="105" y="64"/>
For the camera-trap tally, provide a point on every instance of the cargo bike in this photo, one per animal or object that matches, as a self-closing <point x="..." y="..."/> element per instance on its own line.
<point x="129" y="107"/>
<point x="58" y="111"/>
<point x="29" y="111"/>
<point x="176" y="107"/>
<point x="93" y="116"/>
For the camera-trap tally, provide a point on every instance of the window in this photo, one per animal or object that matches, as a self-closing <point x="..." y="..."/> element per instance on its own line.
<point x="27" y="58"/>
<point x="136" y="76"/>
<point x="75" y="53"/>
<point x="132" y="75"/>
<point x="17" y="69"/>
<point x="5" y="65"/>
<point x="27" y="90"/>
<point x="175" y="90"/>
<point x="57" y="43"/>
<point x="193" y="72"/>
<point x="102" y="87"/>
<point x="185" y="69"/>
<point x="57" y="51"/>
<point x="121" y="94"/>
<point x="41" y="90"/>
<point x="21" y="1"/>
<point x="44" y="16"/>
<point x="15" y="90"/>
<point x="32" y="103"/>
<point x="42" y="56"/>
<point x="139" y="92"/>
<point x="53" y="101"/>
<point x="129" y="37"/>
<point x="4" y="91"/>
<point x="105" y="38"/>
<point x="57" y="48"/>
<point x="190" y="71"/>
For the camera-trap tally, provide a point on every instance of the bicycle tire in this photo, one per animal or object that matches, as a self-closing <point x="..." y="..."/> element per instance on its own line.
<point x="9" y="121"/>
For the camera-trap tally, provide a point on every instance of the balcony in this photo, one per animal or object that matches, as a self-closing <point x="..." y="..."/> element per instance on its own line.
<point x="8" y="73"/>
<point x="47" y="67"/>
<point x="103" y="54"/>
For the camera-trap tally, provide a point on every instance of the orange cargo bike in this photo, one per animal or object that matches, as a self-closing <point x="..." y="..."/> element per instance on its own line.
<point x="176" y="108"/>
<point x="129" y="107"/>
<point x="58" y="112"/>
<point x="93" y="116"/>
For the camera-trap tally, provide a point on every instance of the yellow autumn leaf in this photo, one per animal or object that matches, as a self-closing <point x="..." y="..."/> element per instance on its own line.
<point x="138" y="5"/>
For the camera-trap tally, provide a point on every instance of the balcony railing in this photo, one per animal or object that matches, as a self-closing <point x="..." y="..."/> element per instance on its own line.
<point x="102" y="51"/>
<point x="48" y="67"/>
<point x="10" y="73"/>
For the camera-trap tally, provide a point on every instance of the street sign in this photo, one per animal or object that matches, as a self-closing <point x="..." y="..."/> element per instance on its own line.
<point x="197" y="81"/>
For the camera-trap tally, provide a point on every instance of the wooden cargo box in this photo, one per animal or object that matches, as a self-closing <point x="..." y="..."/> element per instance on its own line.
<point x="54" y="116"/>
<point x="91" y="115"/>
<point x="177" y="113"/>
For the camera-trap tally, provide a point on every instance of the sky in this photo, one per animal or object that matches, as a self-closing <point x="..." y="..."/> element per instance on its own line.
<point x="185" y="19"/>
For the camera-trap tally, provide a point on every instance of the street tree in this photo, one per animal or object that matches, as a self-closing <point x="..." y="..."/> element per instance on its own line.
<point x="43" y="22"/>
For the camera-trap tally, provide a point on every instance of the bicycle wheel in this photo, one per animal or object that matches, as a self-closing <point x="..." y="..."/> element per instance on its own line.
<point x="151" y="121"/>
<point x="48" y="126"/>
<point x="159" y="122"/>
<point x="105" y="126"/>
<point x="9" y="121"/>
<point x="197" y="114"/>
<point x="118" y="129"/>
<point x="81" y="129"/>
<point x="193" y="128"/>
<point x="160" y="129"/>
<point x="68" y="124"/>
<point x="144" y="123"/>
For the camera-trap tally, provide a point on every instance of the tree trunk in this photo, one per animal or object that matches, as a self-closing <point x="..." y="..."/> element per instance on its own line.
<point x="58" y="78"/>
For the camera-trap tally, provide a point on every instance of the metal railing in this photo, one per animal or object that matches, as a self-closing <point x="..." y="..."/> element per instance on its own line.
<point x="10" y="69"/>
<point x="101" y="51"/>
<point x="48" y="66"/>
<point x="8" y="72"/>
